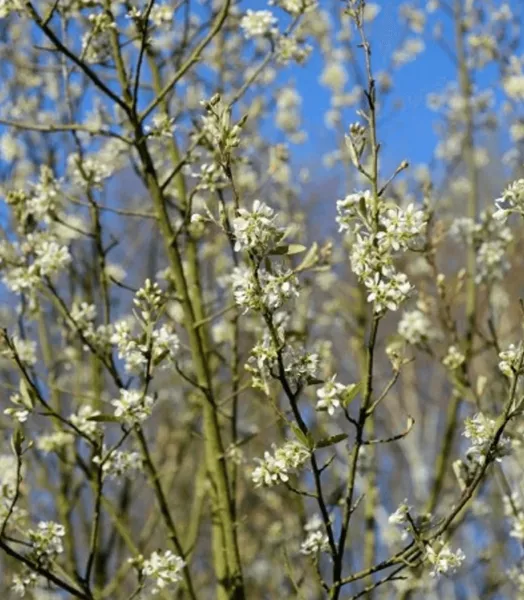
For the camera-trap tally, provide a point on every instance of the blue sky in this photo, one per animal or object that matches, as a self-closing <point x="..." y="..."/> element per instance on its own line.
<point x="412" y="126"/>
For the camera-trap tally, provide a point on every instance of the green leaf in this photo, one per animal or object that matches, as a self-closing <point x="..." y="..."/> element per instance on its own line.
<point x="27" y="394"/>
<point x="350" y="394"/>
<point x="288" y="249"/>
<point x="310" y="260"/>
<point x="303" y="438"/>
<point x="332" y="440"/>
<point x="17" y="440"/>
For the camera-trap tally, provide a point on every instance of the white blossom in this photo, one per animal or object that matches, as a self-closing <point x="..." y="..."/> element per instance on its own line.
<point x="415" y="327"/>
<point x="256" y="230"/>
<point x="330" y="395"/>
<point x="55" y="442"/>
<point x="444" y="560"/>
<point x="454" y="358"/>
<point x="399" y="517"/>
<point x="164" y="570"/>
<point x="46" y="541"/>
<point x="257" y="23"/>
<point x="315" y="542"/>
<point x="481" y="430"/>
<point x="295" y="7"/>
<point x="119" y="463"/>
<point x="82" y="420"/>
<point x="277" y="467"/>
<point x="510" y="359"/>
<point x="133" y="407"/>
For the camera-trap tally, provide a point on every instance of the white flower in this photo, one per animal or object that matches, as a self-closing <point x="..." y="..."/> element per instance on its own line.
<point x="399" y="227"/>
<point x="512" y="200"/>
<point x="161" y="15"/>
<point x="46" y="541"/>
<point x="349" y="208"/>
<point x="119" y="463"/>
<point x="276" y="468"/>
<point x="295" y="7"/>
<point x="517" y="529"/>
<point x="330" y="395"/>
<point x="83" y="314"/>
<point x="21" y="583"/>
<point x="82" y="421"/>
<point x="256" y="230"/>
<point x="481" y="431"/>
<point x="408" y="51"/>
<point x="133" y="407"/>
<point x="334" y="76"/>
<point x="165" y="343"/>
<point x="25" y="349"/>
<point x="315" y="542"/>
<point x="453" y="359"/>
<point x="257" y="23"/>
<point x="165" y="570"/>
<point x="388" y="290"/>
<point x="415" y="327"/>
<point x="509" y="360"/>
<point x="8" y="476"/>
<point x="399" y="516"/>
<point x="444" y="559"/>
<point x="245" y="290"/>
<point x="54" y="442"/>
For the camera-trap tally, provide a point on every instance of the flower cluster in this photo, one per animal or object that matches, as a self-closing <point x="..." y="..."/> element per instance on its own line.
<point x="289" y="48"/>
<point x="277" y="467"/>
<point x="46" y="541"/>
<point x="26" y="264"/>
<point x="163" y="571"/>
<point x="378" y="231"/>
<point x="491" y="239"/>
<point x="331" y="395"/>
<point x="8" y="476"/>
<point x="55" y="442"/>
<point x="83" y="314"/>
<point x="453" y="359"/>
<point x="399" y="517"/>
<point x="136" y="349"/>
<point x="511" y="201"/>
<point x="83" y="420"/>
<point x="119" y="463"/>
<point x="133" y="407"/>
<point x="161" y="15"/>
<point x="387" y="289"/>
<point x="223" y="135"/>
<point x="443" y="559"/>
<point x="510" y="359"/>
<point x="255" y="230"/>
<point x="21" y="409"/>
<point x="295" y="7"/>
<point x="39" y="205"/>
<point x="300" y="366"/>
<point x="152" y="345"/>
<point x="264" y="291"/>
<point x="315" y="542"/>
<point x="481" y="430"/>
<point x="23" y="349"/>
<point x="517" y="527"/>
<point x="415" y="327"/>
<point x="257" y="23"/>
<point x="89" y="171"/>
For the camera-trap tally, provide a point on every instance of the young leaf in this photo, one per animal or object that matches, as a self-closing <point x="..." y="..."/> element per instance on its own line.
<point x="350" y="394"/>
<point x="332" y="440"/>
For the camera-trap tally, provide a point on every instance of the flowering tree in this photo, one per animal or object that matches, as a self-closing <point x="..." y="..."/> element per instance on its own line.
<point x="205" y="395"/>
